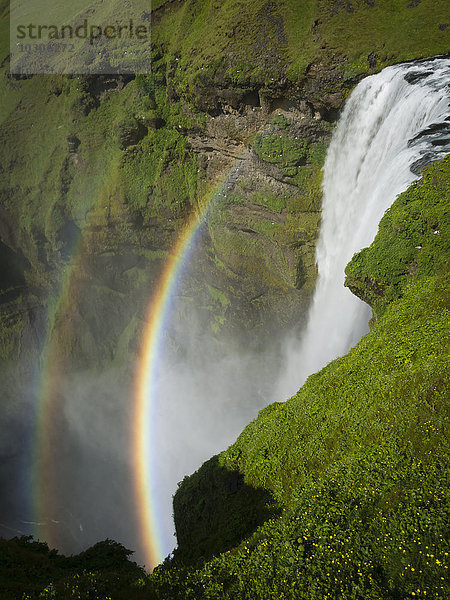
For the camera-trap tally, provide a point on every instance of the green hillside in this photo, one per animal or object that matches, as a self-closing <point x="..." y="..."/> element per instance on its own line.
<point x="221" y="47"/>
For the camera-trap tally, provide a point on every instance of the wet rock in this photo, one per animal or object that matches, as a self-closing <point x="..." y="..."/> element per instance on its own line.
<point x="422" y="162"/>
<point x="440" y="129"/>
<point x="416" y="76"/>
<point x="72" y="143"/>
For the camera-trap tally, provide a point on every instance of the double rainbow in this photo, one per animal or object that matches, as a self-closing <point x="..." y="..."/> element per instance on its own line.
<point x="144" y="393"/>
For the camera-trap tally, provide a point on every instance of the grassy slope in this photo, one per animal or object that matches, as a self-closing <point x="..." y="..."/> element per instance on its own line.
<point x="358" y="459"/>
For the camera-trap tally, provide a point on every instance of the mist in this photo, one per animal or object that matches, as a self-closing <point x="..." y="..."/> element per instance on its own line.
<point x="208" y="387"/>
<point x="207" y="390"/>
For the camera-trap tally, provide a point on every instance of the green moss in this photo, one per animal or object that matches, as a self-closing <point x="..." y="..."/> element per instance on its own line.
<point x="281" y="150"/>
<point x="219" y="296"/>
<point x="275" y="202"/>
<point x="413" y="241"/>
<point x="120" y="164"/>
<point x="199" y="45"/>
<point x="281" y="121"/>
<point x="273" y="247"/>
<point x="159" y="171"/>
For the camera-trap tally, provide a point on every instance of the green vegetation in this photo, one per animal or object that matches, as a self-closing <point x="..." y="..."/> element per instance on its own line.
<point x="99" y="53"/>
<point x="263" y="197"/>
<point x="29" y="570"/>
<point x="385" y="30"/>
<point x="60" y="185"/>
<point x="212" y="46"/>
<point x="281" y="150"/>
<point x="413" y="242"/>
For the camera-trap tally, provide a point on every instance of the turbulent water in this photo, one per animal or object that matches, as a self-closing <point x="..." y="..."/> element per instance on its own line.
<point x="393" y="124"/>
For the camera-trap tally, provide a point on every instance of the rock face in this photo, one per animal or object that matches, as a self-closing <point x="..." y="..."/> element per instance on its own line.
<point x="265" y="215"/>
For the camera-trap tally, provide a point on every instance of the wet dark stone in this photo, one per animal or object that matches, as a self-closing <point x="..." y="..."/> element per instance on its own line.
<point x="422" y="162"/>
<point x="372" y="60"/>
<point x="436" y="129"/>
<point x="414" y="77"/>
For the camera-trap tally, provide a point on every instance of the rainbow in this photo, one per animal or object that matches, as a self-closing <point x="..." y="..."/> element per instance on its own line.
<point x="44" y="484"/>
<point x="43" y="491"/>
<point x="145" y="395"/>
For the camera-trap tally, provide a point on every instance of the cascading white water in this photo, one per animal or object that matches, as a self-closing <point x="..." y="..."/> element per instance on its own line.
<point x="393" y="121"/>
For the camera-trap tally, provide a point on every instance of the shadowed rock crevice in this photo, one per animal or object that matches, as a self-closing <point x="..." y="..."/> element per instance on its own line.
<point x="12" y="268"/>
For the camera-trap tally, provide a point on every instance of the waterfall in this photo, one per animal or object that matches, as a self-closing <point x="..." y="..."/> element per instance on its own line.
<point x="393" y="123"/>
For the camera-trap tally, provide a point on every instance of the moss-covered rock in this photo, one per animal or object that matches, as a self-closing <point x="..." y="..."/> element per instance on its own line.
<point x="413" y="242"/>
